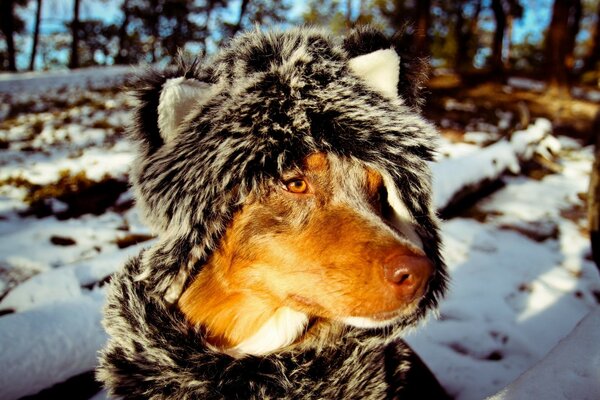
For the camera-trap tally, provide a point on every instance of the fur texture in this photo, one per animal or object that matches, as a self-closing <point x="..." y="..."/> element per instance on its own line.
<point x="273" y="99"/>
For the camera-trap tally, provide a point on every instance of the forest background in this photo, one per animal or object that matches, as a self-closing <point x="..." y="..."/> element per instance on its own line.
<point x="467" y="42"/>
<point x="558" y="40"/>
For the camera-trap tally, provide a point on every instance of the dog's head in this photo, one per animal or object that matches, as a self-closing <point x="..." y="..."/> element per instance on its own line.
<point x="288" y="182"/>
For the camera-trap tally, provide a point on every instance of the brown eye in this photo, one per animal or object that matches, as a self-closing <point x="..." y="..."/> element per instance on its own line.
<point x="297" y="186"/>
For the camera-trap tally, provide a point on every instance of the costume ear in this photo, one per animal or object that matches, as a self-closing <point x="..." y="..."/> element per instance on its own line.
<point x="366" y="40"/>
<point x="177" y="98"/>
<point x="380" y="70"/>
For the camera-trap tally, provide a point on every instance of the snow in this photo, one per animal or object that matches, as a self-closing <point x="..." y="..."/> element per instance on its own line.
<point x="590" y="95"/>
<point x="570" y="371"/>
<point x="96" y="162"/>
<point x="539" y="86"/>
<point x="48" y="287"/>
<point x="525" y="83"/>
<point x="86" y="78"/>
<point x="48" y="344"/>
<point x="479" y="138"/>
<point x="453" y="173"/>
<point x="511" y="300"/>
<point x="521" y="275"/>
<point x="88" y="232"/>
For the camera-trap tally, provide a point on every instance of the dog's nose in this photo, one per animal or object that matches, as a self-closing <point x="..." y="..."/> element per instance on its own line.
<point x="408" y="273"/>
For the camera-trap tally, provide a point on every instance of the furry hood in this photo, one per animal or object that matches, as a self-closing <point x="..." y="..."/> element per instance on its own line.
<point x="209" y="135"/>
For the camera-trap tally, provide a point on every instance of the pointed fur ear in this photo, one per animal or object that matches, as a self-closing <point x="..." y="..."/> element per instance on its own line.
<point x="177" y="98"/>
<point x="380" y="69"/>
<point x="366" y="39"/>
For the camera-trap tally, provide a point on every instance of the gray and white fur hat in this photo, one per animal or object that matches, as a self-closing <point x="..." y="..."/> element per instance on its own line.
<point x="209" y="134"/>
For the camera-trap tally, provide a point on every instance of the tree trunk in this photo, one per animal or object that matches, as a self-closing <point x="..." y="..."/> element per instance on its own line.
<point x="574" y="23"/>
<point x="243" y="8"/>
<point x="501" y="20"/>
<point x="557" y="41"/>
<point x="348" y="12"/>
<point x="422" y="22"/>
<point x="463" y="37"/>
<point x="122" y="56"/>
<point x="36" y="34"/>
<point x="362" y="8"/>
<point x="74" y="62"/>
<point x="507" y="43"/>
<point x="594" y="197"/>
<point x="462" y="45"/>
<point x="154" y="38"/>
<point x="7" y="25"/>
<point x="593" y="56"/>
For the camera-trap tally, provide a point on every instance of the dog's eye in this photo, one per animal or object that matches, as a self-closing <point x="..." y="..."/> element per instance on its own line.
<point x="297" y="186"/>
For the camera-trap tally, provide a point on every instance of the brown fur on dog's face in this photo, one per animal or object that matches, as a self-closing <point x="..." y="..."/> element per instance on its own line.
<point x="318" y="242"/>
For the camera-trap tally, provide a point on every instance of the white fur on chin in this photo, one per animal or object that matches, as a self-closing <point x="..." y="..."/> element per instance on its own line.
<point x="281" y="330"/>
<point x="365" y="322"/>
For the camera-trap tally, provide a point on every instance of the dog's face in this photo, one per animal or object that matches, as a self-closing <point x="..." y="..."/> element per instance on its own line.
<point x="253" y="248"/>
<point x="323" y="241"/>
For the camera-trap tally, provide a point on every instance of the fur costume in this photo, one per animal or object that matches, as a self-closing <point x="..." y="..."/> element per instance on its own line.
<point x="256" y="109"/>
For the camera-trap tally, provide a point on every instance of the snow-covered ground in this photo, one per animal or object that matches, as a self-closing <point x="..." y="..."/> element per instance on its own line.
<point x="85" y="78"/>
<point x="520" y="264"/>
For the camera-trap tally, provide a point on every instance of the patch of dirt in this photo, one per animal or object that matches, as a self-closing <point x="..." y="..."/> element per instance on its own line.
<point x="62" y="240"/>
<point x="56" y="101"/>
<point x="538" y="168"/>
<point x="578" y="214"/>
<point x="80" y="194"/>
<point x="453" y="135"/>
<point x="464" y="201"/>
<point x="13" y="277"/>
<point x="538" y="231"/>
<point x="488" y="100"/>
<point x="99" y="283"/>
<point x="132" y="239"/>
<point x="479" y="215"/>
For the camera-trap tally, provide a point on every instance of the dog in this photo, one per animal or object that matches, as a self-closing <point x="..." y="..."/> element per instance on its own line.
<point x="288" y="184"/>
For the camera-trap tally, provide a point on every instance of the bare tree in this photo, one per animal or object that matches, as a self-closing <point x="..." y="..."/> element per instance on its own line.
<point x="594" y="196"/>
<point x="9" y="25"/>
<point x="122" y="56"/>
<point x="349" y="12"/>
<point x="251" y="12"/>
<point x="36" y="34"/>
<point x="465" y="27"/>
<point x="575" y="14"/>
<point x="74" y="61"/>
<point x="559" y="40"/>
<point x="505" y="11"/>
<point x="243" y="9"/>
<point x="593" y="56"/>
<point x="422" y="23"/>
<point x="500" y="17"/>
